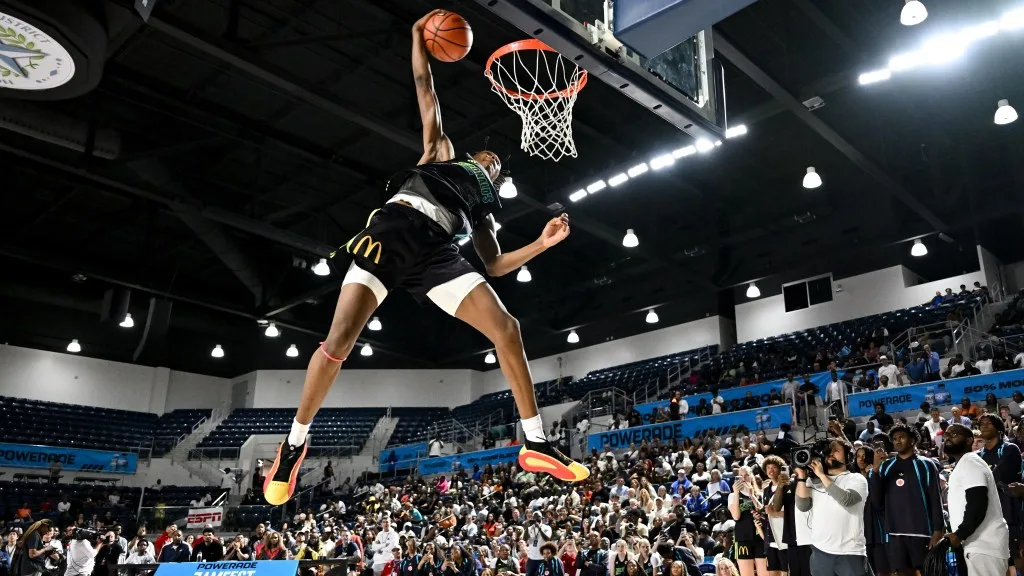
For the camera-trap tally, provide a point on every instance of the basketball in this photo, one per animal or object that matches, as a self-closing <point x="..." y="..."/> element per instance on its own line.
<point x="448" y="37"/>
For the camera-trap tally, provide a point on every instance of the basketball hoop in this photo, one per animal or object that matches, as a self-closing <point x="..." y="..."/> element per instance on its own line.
<point x="540" y="85"/>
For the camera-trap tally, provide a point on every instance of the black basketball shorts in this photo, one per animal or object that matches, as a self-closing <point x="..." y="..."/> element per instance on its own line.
<point x="401" y="248"/>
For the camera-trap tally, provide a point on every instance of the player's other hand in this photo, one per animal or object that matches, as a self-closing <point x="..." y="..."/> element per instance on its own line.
<point x="422" y="22"/>
<point x="556" y="230"/>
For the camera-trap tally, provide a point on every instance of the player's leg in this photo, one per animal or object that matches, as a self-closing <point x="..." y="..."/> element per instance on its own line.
<point x="360" y="296"/>
<point x="481" y="309"/>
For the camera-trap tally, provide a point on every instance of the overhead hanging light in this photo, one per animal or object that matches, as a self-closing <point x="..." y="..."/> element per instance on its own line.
<point x="366" y="350"/>
<point x="292" y="351"/>
<point x="573" y="338"/>
<point x="217" y="352"/>
<point x="630" y="240"/>
<point x="375" y="324"/>
<point x="127" y="322"/>
<point x="734" y="131"/>
<point x="508" y="189"/>
<point x="1005" y="113"/>
<point x="753" y="291"/>
<point x="74" y="347"/>
<point x="272" y="331"/>
<point x="812" y="179"/>
<point x="524" y="275"/>
<point x="321" y="268"/>
<point x="616" y="180"/>
<point x="652" y="317"/>
<point x="913" y="13"/>
<point x="918" y="249"/>
<point x="578" y="195"/>
<point x="490" y="358"/>
<point x="704" y="145"/>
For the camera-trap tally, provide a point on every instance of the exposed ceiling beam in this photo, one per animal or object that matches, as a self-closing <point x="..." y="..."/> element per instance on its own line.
<point x="791" y="103"/>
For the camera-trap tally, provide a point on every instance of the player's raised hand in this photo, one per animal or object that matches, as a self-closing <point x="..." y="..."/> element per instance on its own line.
<point x="422" y="22"/>
<point x="556" y="230"/>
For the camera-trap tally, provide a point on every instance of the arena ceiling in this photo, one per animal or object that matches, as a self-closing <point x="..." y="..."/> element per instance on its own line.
<point x="245" y="139"/>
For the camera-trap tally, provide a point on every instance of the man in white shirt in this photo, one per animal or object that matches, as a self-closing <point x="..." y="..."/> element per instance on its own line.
<point x="537" y="534"/>
<point x="435" y="448"/>
<point x="836" y="505"/>
<point x="386" y="540"/>
<point x="619" y="490"/>
<point x="888" y="370"/>
<point x="975" y="514"/>
<point x="934" y="425"/>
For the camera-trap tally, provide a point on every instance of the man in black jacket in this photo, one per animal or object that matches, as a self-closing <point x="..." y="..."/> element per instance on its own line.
<point x="210" y="549"/>
<point x="175" y="550"/>
<point x="670" y="554"/>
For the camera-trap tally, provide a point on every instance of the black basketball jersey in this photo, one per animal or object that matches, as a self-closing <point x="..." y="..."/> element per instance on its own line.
<point x="460" y="186"/>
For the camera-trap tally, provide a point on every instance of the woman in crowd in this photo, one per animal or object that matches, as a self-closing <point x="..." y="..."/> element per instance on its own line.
<point x="725" y="567"/>
<point x="617" y="560"/>
<point x="273" y="547"/>
<point x="458" y="562"/>
<point x="746" y="507"/>
<point x="431" y="561"/>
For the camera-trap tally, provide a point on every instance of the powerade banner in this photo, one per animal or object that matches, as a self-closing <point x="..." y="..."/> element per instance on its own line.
<point x="762" y="390"/>
<point x="939" y="393"/>
<point x="29" y="456"/>
<point x="401" y="457"/>
<point x="445" y="464"/>
<point x="259" y="568"/>
<point x="771" y="417"/>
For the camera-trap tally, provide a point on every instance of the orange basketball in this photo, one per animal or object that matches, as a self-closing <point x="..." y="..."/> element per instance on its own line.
<point x="448" y="36"/>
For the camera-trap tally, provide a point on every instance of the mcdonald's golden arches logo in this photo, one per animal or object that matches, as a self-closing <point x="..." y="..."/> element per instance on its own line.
<point x="370" y="246"/>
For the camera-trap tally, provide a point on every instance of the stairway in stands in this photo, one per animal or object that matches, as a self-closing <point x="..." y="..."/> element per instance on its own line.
<point x="200" y="467"/>
<point x="379" y="437"/>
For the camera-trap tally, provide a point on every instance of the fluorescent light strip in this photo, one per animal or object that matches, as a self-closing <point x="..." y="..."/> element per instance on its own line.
<point x="945" y="48"/>
<point x="659" y="162"/>
<point x="704" y="145"/>
<point x="734" y="131"/>
<point x="637" y="170"/>
<point x="578" y="195"/>
<point x="596" y="187"/>
<point x="684" y="152"/>
<point x="618" y="179"/>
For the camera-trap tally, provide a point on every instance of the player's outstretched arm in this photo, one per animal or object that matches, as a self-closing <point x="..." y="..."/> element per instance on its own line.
<point x="485" y="241"/>
<point x="436" y="146"/>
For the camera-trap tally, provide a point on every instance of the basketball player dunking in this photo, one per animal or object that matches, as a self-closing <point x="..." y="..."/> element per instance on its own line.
<point x="409" y="243"/>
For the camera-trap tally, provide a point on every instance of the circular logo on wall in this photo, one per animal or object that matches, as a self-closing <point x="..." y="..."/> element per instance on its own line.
<point x="30" y="59"/>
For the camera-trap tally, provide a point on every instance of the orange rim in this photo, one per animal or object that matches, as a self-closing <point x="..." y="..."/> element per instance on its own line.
<point x="531" y="44"/>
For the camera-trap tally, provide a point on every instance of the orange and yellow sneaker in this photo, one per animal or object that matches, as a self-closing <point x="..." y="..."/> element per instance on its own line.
<point x="542" y="457"/>
<point x="280" y="483"/>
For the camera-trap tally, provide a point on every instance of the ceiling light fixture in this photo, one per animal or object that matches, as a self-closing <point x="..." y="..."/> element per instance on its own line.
<point x="918" y="249"/>
<point x="1005" y="113"/>
<point x="734" y="131"/>
<point x="217" y="352"/>
<point x="321" y="268"/>
<point x="616" y="180"/>
<point x="490" y="358"/>
<point x="913" y="13"/>
<point x="596" y="187"/>
<point x="637" y="170"/>
<point x="652" y="317"/>
<point x="128" y="322"/>
<point x="375" y="324"/>
<point x="292" y="351"/>
<point x="508" y="189"/>
<point x="684" y="152"/>
<point x="366" y="350"/>
<point x="524" y="275"/>
<point x="874" y="76"/>
<point x="662" y="161"/>
<point x="812" y="179"/>
<point x="630" y="240"/>
<point x="74" y="347"/>
<point x="578" y="195"/>
<point x="753" y="291"/>
<point x="573" y="338"/>
<point x="272" y="331"/>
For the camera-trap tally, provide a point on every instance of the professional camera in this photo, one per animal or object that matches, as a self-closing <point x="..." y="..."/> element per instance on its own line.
<point x="801" y="456"/>
<point x="85" y="534"/>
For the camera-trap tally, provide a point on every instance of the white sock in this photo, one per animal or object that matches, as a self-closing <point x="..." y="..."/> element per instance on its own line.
<point x="533" y="429"/>
<point x="298" y="434"/>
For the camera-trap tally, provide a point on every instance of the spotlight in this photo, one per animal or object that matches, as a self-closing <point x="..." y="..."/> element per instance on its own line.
<point x="918" y="249"/>
<point x="127" y="322"/>
<point x="812" y="179"/>
<point x="573" y="338"/>
<point x="366" y="350"/>
<point x="524" y="275"/>
<point x="630" y="240"/>
<point x="875" y="76"/>
<point x="913" y="13"/>
<point x="652" y="317"/>
<point x="375" y="324"/>
<point x="292" y="351"/>
<point x="272" y="331"/>
<point x="217" y="352"/>
<point x="490" y="359"/>
<point x="704" y="145"/>
<point x="508" y="189"/>
<point x="753" y="291"/>
<point x="321" y="268"/>
<point x="1005" y="113"/>
<point x="74" y="347"/>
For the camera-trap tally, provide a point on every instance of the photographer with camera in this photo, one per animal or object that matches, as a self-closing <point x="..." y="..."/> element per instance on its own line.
<point x="835" y="502"/>
<point x="537" y="534"/>
<point x="82" y="553"/>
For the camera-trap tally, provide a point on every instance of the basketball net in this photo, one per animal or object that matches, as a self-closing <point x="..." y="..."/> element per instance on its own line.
<point x="541" y="86"/>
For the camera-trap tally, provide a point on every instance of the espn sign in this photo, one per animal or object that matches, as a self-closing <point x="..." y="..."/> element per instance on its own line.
<point x="202" y="517"/>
